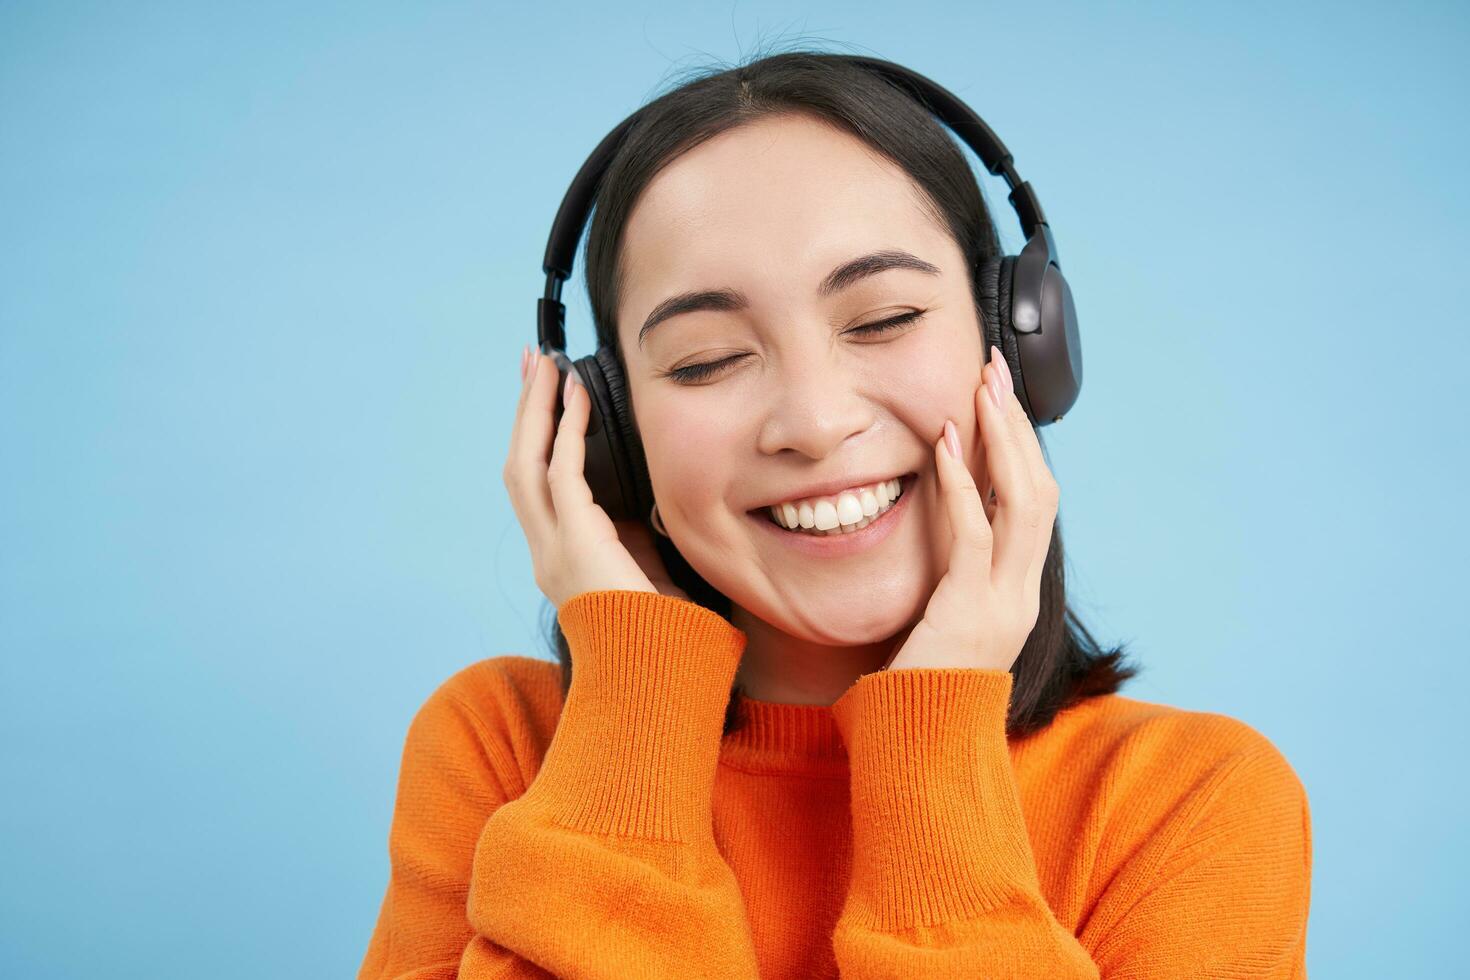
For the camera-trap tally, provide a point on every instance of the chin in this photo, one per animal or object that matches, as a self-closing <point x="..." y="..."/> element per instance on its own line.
<point x="854" y="619"/>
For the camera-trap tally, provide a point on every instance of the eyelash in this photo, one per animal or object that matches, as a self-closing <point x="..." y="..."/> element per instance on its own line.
<point x="698" y="372"/>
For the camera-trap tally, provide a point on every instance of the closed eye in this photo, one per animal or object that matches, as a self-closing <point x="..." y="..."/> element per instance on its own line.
<point x="892" y="323"/>
<point x="698" y="372"/>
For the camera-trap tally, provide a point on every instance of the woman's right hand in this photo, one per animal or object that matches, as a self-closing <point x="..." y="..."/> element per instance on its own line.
<point x="575" y="546"/>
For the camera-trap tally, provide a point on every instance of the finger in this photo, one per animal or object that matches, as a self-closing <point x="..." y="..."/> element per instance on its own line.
<point x="570" y="495"/>
<point x="528" y="373"/>
<point x="516" y="433"/>
<point x="1041" y="474"/>
<point x="527" y="367"/>
<point x="1050" y="496"/>
<point x="970" y="553"/>
<point x="1049" y="492"/>
<point x="1042" y="480"/>
<point x="1018" y="509"/>
<point x="530" y="447"/>
<point x="525" y="372"/>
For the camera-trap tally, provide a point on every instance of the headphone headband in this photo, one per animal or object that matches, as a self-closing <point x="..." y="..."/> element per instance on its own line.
<point x="576" y="205"/>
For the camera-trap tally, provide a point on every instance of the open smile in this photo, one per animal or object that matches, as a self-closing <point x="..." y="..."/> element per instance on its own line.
<point x="838" y="543"/>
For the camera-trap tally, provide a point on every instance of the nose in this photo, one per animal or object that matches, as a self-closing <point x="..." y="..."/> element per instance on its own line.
<point x="814" y="406"/>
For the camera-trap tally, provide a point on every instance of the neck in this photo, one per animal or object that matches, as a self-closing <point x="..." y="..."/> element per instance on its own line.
<point x="783" y="668"/>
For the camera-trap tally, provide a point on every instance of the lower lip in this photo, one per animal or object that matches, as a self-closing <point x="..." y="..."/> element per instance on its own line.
<point x="841" y="545"/>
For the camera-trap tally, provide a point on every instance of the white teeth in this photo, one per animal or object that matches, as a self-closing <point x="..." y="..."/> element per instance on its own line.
<point x="849" y="512"/>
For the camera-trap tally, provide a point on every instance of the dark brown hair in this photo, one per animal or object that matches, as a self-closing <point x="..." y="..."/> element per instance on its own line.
<point x="1060" y="663"/>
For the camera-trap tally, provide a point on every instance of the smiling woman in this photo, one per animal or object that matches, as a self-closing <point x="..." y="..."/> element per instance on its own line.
<point x="783" y="258"/>
<point x="832" y="714"/>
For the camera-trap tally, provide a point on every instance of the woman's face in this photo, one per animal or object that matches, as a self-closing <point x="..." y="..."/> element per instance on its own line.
<point x="765" y="212"/>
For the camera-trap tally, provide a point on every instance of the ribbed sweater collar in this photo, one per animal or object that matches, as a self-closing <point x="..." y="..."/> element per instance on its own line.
<point x="774" y="737"/>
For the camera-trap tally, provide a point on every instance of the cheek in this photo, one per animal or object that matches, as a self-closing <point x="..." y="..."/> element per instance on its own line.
<point x="684" y="452"/>
<point x="936" y="380"/>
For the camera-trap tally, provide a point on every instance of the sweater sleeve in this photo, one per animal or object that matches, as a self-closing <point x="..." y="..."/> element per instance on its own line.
<point x="944" y="882"/>
<point x="606" y="866"/>
<point x="451" y="778"/>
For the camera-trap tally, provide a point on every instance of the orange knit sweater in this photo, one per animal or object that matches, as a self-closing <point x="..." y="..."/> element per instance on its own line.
<point x="897" y="833"/>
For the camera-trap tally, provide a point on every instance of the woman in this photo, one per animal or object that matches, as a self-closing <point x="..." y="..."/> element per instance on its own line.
<point x="872" y="749"/>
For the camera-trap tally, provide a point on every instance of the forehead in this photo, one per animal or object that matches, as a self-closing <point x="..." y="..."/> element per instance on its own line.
<point x="773" y="200"/>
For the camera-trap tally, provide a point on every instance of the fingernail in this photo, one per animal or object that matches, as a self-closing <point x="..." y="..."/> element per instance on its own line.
<point x="1002" y="368"/>
<point x="525" y="359"/>
<point x="992" y="388"/>
<point x="951" y="439"/>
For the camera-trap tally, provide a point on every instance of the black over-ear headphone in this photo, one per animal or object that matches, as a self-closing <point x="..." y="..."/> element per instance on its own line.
<point x="1026" y="305"/>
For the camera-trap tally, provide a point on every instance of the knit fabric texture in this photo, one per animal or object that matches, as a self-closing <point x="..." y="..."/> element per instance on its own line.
<point x="897" y="833"/>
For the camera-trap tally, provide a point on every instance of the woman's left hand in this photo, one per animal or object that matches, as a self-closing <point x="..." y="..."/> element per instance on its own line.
<point x="987" y="603"/>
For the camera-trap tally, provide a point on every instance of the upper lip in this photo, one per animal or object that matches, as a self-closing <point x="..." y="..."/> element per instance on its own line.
<point x="832" y="486"/>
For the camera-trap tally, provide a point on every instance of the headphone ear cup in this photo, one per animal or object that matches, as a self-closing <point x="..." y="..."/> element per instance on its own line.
<point x="995" y="282"/>
<point x="601" y="449"/>
<point x="623" y="472"/>
<point x="987" y="287"/>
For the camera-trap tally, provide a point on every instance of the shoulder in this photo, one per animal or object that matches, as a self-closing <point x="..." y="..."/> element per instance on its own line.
<point x="1172" y="822"/>
<point x="507" y="685"/>
<point x="1147" y="751"/>
<point x="1184" y="813"/>
<point x="499" y="713"/>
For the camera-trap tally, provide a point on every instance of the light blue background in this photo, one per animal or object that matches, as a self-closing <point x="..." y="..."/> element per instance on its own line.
<point x="265" y="274"/>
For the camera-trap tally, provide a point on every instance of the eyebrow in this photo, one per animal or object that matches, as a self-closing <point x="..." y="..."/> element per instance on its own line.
<point x="727" y="300"/>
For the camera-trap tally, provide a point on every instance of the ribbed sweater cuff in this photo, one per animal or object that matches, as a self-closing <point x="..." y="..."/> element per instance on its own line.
<point x="938" y="832"/>
<point x="638" y="742"/>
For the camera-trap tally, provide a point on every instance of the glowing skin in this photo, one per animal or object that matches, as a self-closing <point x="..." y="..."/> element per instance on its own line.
<point x="769" y="209"/>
